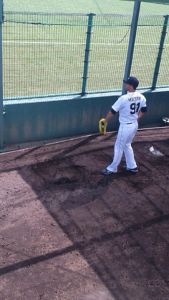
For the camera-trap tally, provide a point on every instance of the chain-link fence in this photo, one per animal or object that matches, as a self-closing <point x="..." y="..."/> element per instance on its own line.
<point x="163" y="76"/>
<point x="54" y="54"/>
<point x="147" y="45"/>
<point x="43" y="54"/>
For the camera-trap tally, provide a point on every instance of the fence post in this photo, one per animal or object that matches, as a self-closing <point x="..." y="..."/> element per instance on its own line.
<point x="160" y="52"/>
<point x="132" y="39"/>
<point x="1" y="79"/>
<point x="87" y="53"/>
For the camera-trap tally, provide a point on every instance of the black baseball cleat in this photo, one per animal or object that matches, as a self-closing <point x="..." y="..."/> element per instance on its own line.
<point x="134" y="171"/>
<point x="107" y="172"/>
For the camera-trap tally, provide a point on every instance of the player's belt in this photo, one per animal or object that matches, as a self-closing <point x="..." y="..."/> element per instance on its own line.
<point x="129" y="123"/>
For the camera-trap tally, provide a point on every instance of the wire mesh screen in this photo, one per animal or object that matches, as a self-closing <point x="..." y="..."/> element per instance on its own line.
<point x="108" y="52"/>
<point x="146" y="48"/>
<point x="43" y="54"/>
<point x="163" y="76"/>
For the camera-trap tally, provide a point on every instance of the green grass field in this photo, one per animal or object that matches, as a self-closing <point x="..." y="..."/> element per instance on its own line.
<point x="48" y="59"/>
<point x="83" y="6"/>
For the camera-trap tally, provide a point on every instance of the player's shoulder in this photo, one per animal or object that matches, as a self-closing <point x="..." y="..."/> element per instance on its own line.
<point x="123" y="97"/>
<point x="141" y="95"/>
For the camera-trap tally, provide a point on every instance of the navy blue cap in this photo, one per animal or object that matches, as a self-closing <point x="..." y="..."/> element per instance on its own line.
<point x="132" y="81"/>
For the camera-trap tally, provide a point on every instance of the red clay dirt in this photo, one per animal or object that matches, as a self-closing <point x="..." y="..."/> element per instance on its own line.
<point x="68" y="233"/>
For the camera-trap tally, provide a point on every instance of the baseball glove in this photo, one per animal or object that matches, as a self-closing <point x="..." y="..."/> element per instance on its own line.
<point x="102" y="126"/>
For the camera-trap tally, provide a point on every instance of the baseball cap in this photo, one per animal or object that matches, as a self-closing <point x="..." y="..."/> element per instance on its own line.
<point x="132" y="81"/>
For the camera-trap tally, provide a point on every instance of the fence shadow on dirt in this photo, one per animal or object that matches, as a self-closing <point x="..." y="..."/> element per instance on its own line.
<point x="118" y="224"/>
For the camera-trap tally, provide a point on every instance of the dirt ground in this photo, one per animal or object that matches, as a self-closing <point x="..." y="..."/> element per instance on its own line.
<point x="68" y="233"/>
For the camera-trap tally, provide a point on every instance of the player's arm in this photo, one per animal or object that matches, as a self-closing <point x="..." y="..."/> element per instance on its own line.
<point x="110" y="114"/>
<point x="140" y="115"/>
<point x="142" y="111"/>
<point x="115" y="108"/>
<point x="103" y="122"/>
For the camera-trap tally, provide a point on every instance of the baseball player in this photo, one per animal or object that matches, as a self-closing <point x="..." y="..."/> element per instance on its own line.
<point x="131" y="108"/>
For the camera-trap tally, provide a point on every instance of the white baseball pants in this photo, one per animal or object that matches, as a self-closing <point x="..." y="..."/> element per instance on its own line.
<point x="123" y="143"/>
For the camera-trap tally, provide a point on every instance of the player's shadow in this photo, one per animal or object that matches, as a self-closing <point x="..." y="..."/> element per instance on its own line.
<point x="116" y="222"/>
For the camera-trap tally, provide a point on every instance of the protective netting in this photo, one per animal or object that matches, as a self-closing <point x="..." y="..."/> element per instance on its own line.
<point x="163" y="76"/>
<point x="146" y="48"/>
<point x="43" y="54"/>
<point x="108" y="52"/>
<point x="41" y="59"/>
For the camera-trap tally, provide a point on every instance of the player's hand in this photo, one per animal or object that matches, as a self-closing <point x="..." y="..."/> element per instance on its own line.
<point x="102" y="126"/>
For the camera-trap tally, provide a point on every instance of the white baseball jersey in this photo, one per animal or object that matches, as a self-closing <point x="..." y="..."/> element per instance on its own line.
<point x="129" y="106"/>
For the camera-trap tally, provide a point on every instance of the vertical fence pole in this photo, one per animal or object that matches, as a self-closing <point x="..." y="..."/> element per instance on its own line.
<point x="160" y="52"/>
<point x="132" y="39"/>
<point x="1" y="79"/>
<point x="87" y="53"/>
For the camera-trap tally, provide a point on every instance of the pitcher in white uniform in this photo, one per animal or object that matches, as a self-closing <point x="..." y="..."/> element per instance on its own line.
<point x="131" y="108"/>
